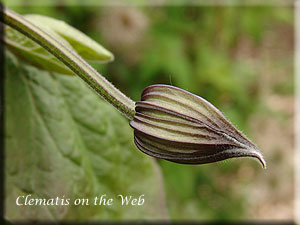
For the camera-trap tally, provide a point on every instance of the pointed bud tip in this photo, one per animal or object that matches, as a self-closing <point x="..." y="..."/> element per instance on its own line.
<point x="263" y="163"/>
<point x="259" y="156"/>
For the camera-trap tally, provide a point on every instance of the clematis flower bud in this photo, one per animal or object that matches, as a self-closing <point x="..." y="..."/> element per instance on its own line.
<point x="176" y="125"/>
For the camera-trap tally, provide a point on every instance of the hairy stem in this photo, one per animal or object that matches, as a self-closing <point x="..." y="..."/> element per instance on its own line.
<point x="72" y="60"/>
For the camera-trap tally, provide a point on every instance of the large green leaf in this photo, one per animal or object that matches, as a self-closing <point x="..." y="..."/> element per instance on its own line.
<point x="62" y="140"/>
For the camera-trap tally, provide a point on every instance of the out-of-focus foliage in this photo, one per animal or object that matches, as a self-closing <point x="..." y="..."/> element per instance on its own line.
<point x="215" y="52"/>
<point x="204" y="50"/>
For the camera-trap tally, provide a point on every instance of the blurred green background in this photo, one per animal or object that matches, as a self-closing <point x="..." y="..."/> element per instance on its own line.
<point x="240" y="59"/>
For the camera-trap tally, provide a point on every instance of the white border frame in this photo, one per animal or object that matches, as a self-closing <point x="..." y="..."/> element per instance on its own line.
<point x="297" y="113"/>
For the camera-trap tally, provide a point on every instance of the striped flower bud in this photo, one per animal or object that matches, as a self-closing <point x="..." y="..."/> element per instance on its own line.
<point x="176" y="125"/>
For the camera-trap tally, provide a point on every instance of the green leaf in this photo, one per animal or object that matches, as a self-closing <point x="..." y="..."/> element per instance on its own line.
<point x="63" y="141"/>
<point x="85" y="46"/>
<point x="33" y="53"/>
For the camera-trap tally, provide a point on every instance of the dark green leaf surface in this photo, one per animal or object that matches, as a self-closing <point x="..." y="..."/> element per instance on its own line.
<point x="62" y="140"/>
